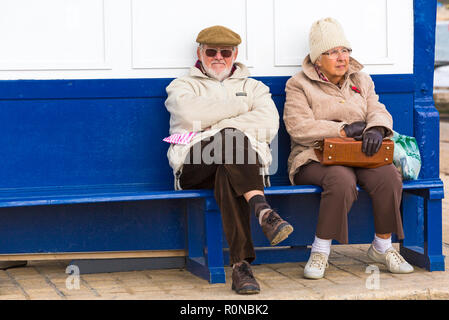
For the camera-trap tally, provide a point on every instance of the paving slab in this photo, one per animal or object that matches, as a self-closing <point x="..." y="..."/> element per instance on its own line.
<point x="285" y="281"/>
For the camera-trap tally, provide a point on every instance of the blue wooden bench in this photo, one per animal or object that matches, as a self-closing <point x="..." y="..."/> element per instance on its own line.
<point x="84" y="175"/>
<point x="85" y="171"/>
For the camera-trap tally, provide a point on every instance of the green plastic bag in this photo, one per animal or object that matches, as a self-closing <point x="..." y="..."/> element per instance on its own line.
<point x="406" y="156"/>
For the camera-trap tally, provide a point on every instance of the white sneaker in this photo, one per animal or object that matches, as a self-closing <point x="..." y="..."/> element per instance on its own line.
<point x="392" y="259"/>
<point x="316" y="265"/>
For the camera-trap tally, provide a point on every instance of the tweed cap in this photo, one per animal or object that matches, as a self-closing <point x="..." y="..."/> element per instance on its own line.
<point x="219" y="36"/>
<point x="324" y="35"/>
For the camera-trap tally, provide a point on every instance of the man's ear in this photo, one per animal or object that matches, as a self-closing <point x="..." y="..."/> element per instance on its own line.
<point x="236" y="53"/>
<point x="198" y="53"/>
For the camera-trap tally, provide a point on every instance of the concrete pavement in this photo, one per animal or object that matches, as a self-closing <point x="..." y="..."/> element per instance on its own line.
<point x="350" y="276"/>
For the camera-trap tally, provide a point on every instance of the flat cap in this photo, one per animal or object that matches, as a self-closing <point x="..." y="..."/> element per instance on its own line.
<point x="218" y="35"/>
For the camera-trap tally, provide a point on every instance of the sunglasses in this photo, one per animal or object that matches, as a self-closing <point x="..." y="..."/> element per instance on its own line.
<point x="225" y="53"/>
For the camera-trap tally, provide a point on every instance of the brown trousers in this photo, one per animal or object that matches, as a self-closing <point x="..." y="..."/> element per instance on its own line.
<point x="383" y="184"/>
<point x="230" y="180"/>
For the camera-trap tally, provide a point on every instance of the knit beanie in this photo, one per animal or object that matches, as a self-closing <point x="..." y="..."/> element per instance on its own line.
<point x="324" y="35"/>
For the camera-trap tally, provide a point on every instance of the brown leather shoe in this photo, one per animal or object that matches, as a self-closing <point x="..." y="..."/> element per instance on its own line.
<point x="275" y="228"/>
<point x="243" y="281"/>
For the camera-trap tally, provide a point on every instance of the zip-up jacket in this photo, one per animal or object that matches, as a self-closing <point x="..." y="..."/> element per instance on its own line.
<point x="199" y="103"/>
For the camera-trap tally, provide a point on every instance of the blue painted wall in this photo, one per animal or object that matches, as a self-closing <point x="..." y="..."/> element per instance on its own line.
<point x="100" y="133"/>
<point x="86" y="136"/>
<point x="426" y="119"/>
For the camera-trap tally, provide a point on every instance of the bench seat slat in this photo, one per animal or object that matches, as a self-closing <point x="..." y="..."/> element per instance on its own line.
<point x="14" y="198"/>
<point x="11" y="199"/>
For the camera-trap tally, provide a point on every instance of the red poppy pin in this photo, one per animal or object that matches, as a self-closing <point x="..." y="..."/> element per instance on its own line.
<point x="355" y="89"/>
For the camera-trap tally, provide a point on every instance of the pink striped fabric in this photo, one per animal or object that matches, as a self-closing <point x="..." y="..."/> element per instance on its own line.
<point x="179" y="138"/>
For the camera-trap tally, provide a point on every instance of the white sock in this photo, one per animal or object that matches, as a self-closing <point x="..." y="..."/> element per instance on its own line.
<point x="381" y="245"/>
<point x="321" y="245"/>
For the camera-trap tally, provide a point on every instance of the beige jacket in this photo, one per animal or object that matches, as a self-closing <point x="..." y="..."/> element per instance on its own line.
<point x="316" y="109"/>
<point x="200" y="103"/>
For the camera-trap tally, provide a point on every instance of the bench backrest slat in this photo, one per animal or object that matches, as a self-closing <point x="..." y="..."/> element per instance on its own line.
<point x="72" y="133"/>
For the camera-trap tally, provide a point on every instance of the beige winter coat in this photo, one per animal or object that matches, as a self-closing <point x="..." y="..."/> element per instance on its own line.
<point x="200" y="103"/>
<point x="316" y="109"/>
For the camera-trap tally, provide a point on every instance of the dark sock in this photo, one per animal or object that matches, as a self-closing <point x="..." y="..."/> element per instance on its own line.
<point x="257" y="204"/>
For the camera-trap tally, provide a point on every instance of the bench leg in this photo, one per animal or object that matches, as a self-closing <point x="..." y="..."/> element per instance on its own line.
<point x="205" y="242"/>
<point x="430" y="256"/>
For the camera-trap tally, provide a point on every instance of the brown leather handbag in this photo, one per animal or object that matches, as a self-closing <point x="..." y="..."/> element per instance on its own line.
<point x="348" y="152"/>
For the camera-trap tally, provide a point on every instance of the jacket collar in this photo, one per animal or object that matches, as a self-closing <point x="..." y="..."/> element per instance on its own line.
<point x="309" y="69"/>
<point x="240" y="72"/>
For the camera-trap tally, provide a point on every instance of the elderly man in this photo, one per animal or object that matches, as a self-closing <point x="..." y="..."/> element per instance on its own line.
<point x="221" y="124"/>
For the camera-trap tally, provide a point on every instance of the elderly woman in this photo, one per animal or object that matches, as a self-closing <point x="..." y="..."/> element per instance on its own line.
<point x="330" y="97"/>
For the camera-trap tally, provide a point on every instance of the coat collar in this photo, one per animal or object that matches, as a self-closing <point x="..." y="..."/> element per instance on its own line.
<point x="309" y="69"/>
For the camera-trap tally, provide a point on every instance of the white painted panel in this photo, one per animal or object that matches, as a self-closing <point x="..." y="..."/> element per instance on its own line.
<point x="366" y="31"/>
<point x="381" y="31"/>
<point x="52" y="34"/>
<point x="89" y="39"/>
<point x="164" y="35"/>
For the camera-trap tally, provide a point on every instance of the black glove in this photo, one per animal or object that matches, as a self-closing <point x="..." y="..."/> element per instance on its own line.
<point x="372" y="140"/>
<point x="355" y="129"/>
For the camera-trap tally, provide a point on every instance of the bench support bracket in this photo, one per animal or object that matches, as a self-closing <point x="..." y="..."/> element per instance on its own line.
<point x="205" y="241"/>
<point x="429" y="255"/>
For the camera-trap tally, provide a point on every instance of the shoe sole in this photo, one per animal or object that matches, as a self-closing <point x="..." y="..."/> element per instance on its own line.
<point x="248" y="290"/>
<point x="313" y="277"/>
<point x="282" y="234"/>
<point x="380" y="262"/>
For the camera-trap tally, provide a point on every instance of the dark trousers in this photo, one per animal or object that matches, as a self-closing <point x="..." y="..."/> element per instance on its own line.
<point x="383" y="184"/>
<point x="230" y="176"/>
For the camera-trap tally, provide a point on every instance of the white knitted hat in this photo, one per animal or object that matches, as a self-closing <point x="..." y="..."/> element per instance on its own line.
<point x="324" y="35"/>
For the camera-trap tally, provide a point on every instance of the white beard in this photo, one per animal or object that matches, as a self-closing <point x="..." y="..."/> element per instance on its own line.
<point x="220" y="76"/>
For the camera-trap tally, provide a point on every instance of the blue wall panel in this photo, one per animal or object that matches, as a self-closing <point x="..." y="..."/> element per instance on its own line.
<point x="83" y="142"/>
<point x="59" y="136"/>
<point x="118" y="226"/>
<point x="109" y="132"/>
